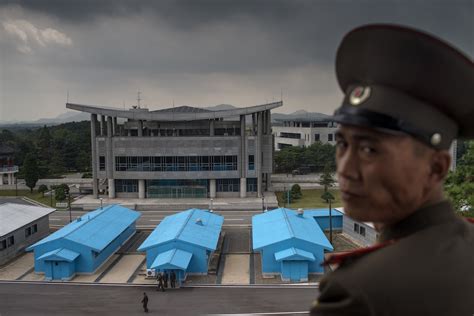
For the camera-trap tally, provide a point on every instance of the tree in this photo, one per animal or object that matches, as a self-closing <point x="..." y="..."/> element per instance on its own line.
<point x="460" y="184"/>
<point x="59" y="193"/>
<point x="326" y="179"/>
<point x="42" y="188"/>
<point x="30" y="171"/>
<point x="296" y="192"/>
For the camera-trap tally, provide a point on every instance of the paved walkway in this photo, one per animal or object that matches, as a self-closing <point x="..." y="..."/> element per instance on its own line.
<point x="236" y="270"/>
<point x="123" y="270"/>
<point x="18" y="267"/>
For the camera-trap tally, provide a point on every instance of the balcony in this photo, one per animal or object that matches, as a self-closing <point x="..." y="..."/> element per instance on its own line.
<point x="8" y="169"/>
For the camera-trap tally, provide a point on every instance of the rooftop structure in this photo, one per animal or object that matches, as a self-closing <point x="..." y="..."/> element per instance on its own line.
<point x="291" y="244"/>
<point x="84" y="244"/>
<point x="183" y="242"/>
<point x="181" y="151"/>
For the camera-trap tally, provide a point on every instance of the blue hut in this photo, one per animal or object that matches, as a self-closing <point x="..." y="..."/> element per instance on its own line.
<point x="291" y="245"/>
<point x="183" y="243"/>
<point x="85" y="244"/>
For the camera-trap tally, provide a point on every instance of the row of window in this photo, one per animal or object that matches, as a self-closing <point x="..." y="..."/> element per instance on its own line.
<point x="175" y="163"/>
<point x="6" y="243"/>
<point x="222" y="185"/>
<point x="359" y="229"/>
<point x="31" y="230"/>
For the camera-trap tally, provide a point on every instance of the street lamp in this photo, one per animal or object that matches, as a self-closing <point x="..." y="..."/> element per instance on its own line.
<point x="263" y="203"/>
<point x="100" y="202"/>
<point x="69" y="204"/>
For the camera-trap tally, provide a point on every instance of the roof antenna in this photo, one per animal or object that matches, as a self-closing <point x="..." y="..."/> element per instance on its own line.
<point x="281" y="94"/>
<point x="138" y="98"/>
<point x="67" y="97"/>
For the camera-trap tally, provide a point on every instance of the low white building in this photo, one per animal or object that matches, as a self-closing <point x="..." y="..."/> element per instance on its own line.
<point x="363" y="233"/>
<point x="304" y="130"/>
<point x="21" y="226"/>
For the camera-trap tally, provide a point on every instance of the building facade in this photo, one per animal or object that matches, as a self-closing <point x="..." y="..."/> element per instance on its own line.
<point x="181" y="152"/>
<point x="304" y="130"/>
<point x="183" y="243"/>
<point x="7" y="168"/>
<point x="85" y="244"/>
<point x="362" y="233"/>
<point x="20" y="226"/>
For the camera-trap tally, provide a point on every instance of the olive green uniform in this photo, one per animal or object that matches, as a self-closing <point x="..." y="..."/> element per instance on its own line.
<point x="428" y="270"/>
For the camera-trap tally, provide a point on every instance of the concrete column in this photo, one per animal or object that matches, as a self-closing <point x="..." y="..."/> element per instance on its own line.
<point x="141" y="189"/>
<point x="211" y="127"/>
<point x="102" y="125"/>
<point x="109" y="164"/>
<point x="269" y="122"/>
<point x="1" y="179"/>
<point x="140" y="128"/>
<point x="95" y="187"/>
<point x="212" y="188"/>
<point x="254" y="123"/>
<point x="243" y="148"/>
<point x="258" y="154"/>
<point x="243" y="187"/>
<point x="115" y="127"/>
<point x="10" y="182"/>
<point x="111" y="185"/>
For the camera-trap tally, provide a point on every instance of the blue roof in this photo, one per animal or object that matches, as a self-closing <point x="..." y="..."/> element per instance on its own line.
<point x="320" y="212"/>
<point x="96" y="229"/>
<point x="172" y="259"/>
<point x="294" y="254"/>
<point x="60" y="254"/>
<point x="283" y="224"/>
<point x="185" y="226"/>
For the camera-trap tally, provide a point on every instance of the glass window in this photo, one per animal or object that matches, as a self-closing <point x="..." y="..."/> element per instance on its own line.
<point x="356" y="227"/>
<point x="330" y="137"/>
<point x="362" y="231"/>
<point x="28" y="232"/>
<point x="3" y="244"/>
<point x="10" y="241"/>
<point x="251" y="184"/>
<point x="251" y="162"/>
<point x="35" y="228"/>
<point x="317" y="137"/>
<point x="102" y="163"/>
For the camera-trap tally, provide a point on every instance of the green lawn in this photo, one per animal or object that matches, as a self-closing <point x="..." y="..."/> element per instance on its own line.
<point x="310" y="199"/>
<point x="34" y="196"/>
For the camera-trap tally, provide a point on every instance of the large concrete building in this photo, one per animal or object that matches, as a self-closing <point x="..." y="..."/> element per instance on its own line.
<point x="181" y="152"/>
<point x="304" y="130"/>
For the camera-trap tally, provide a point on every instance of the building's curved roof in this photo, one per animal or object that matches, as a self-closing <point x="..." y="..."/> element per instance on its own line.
<point x="177" y="114"/>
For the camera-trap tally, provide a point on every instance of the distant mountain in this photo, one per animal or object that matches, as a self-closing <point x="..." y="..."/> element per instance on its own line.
<point x="70" y="116"/>
<point x="300" y="115"/>
<point x="221" y="107"/>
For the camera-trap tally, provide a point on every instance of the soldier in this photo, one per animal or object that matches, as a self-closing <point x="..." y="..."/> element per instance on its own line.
<point x="145" y="302"/>
<point x="165" y="279"/>
<point x="173" y="279"/>
<point x="407" y="96"/>
<point x="160" y="282"/>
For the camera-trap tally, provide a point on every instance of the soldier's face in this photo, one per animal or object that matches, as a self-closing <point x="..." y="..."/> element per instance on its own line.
<point x="381" y="177"/>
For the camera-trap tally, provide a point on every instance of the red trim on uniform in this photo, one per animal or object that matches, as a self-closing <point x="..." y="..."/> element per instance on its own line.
<point x="470" y="219"/>
<point x="339" y="258"/>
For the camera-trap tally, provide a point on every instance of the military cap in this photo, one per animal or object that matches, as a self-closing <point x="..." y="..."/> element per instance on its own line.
<point x="400" y="80"/>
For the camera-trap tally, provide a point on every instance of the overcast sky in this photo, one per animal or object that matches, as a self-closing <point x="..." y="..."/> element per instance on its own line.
<point x="197" y="53"/>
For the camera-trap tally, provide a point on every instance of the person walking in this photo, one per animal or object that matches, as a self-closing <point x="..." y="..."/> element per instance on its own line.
<point x="145" y="302"/>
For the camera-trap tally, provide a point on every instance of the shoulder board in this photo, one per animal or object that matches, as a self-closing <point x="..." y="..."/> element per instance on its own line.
<point x="340" y="258"/>
<point x="470" y="219"/>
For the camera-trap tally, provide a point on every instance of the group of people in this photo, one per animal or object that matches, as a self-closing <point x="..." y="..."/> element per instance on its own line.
<point x="162" y="279"/>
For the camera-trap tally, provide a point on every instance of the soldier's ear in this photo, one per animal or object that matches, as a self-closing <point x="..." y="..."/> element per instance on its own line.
<point x="439" y="165"/>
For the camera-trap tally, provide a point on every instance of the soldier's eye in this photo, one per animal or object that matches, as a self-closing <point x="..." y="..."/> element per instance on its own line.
<point x="340" y="144"/>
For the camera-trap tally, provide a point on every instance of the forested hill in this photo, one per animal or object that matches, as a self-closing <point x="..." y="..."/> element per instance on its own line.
<point x="58" y="149"/>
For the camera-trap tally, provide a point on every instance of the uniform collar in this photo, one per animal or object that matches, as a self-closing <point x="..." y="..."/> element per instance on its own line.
<point x="424" y="217"/>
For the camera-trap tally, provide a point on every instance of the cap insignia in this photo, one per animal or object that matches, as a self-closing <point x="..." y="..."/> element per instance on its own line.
<point x="359" y="95"/>
<point x="435" y="139"/>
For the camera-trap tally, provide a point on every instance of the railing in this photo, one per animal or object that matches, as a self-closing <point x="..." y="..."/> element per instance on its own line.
<point x="9" y="169"/>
